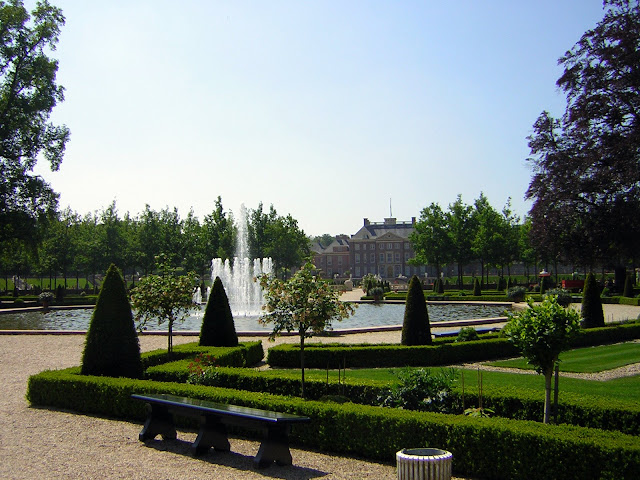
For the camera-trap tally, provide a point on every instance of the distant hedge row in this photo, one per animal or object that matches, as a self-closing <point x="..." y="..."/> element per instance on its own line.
<point x="492" y="448"/>
<point x="319" y="355"/>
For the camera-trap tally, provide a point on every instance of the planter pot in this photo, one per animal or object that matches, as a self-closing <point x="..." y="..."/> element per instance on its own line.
<point x="424" y="463"/>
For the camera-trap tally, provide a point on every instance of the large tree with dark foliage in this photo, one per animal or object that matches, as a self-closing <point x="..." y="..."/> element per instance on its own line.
<point x="28" y="94"/>
<point x="586" y="165"/>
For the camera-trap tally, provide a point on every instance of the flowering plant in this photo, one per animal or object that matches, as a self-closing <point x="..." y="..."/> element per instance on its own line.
<point x="202" y="369"/>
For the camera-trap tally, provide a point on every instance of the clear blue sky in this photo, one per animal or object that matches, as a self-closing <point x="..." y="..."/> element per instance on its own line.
<point x="326" y="109"/>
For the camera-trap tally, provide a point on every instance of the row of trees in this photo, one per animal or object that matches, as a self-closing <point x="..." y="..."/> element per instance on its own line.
<point x="468" y="233"/>
<point x="73" y="246"/>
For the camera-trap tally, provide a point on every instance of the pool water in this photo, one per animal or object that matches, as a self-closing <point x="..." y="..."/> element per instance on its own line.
<point x="366" y="315"/>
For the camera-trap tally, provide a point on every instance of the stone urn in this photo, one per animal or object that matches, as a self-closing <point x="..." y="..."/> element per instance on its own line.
<point x="424" y="463"/>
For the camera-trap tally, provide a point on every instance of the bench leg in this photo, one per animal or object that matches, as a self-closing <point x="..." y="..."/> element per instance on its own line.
<point x="212" y="433"/>
<point x="274" y="447"/>
<point x="159" y="422"/>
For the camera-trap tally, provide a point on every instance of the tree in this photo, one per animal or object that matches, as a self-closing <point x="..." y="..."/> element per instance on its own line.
<point x="487" y="242"/>
<point x="541" y="332"/>
<point x="28" y="94"/>
<point x="111" y="346"/>
<point x="586" y="180"/>
<point x="164" y="298"/>
<point x="592" y="313"/>
<point x="461" y="231"/>
<point x="416" y="329"/>
<point x="430" y="240"/>
<point x="219" y="233"/>
<point x="304" y="303"/>
<point x="218" y="329"/>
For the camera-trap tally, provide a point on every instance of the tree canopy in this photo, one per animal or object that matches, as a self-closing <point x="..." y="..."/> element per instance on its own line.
<point x="28" y="94"/>
<point x="586" y="180"/>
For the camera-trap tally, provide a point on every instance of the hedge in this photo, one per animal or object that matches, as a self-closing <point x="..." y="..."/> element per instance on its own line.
<point x="442" y="353"/>
<point x="492" y="448"/>
<point x="245" y="354"/>
<point x="514" y="403"/>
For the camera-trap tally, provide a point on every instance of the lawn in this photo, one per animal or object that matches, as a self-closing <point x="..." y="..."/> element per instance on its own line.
<point x="587" y="360"/>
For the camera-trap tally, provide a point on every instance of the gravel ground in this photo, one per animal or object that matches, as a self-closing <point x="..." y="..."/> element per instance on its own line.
<point x="38" y="443"/>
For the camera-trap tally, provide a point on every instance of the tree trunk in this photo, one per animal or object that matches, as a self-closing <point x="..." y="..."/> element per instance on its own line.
<point x="548" y="374"/>
<point x="170" y="339"/>
<point x="302" y="361"/>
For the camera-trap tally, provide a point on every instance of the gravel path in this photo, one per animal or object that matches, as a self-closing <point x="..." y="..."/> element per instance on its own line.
<point x="37" y="443"/>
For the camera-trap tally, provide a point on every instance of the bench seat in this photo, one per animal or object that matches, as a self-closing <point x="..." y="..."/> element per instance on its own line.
<point x="214" y="417"/>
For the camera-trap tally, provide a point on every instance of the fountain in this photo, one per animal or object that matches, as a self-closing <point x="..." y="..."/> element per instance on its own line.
<point x="244" y="293"/>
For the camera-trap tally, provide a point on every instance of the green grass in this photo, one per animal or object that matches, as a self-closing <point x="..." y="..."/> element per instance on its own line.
<point x="587" y="360"/>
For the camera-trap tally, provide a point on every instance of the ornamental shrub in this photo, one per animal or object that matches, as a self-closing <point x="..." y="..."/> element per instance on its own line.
<point x="502" y="284"/>
<point x="416" y="329"/>
<point x="628" y="287"/>
<point x="563" y="296"/>
<point x="111" y="346"/>
<point x="467" y="334"/>
<point x="477" y="290"/>
<point x="218" y="329"/>
<point x="592" y="313"/>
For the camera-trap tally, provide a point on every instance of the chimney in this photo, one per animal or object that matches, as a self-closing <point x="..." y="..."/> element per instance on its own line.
<point x="366" y="222"/>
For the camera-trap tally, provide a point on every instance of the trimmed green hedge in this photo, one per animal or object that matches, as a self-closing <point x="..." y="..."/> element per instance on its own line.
<point x="245" y="354"/>
<point x="444" y="352"/>
<point x="514" y="403"/>
<point x="492" y="448"/>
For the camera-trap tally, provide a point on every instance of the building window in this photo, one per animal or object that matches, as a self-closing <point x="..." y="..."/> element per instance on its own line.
<point x="406" y="245"/>
<point x="397" y="256"/>
<point x="357" y="246"/>
<point x="365" y="258"/>
<point x="357" y="271"/>
<point x="373" y="258"/>
<point x="389" y="257"/>
<point x="339" y="260"/>
<point x="381" y="259"/>
<point x="357" y="258"/>
<point x="396" y="246"/>
<point x="389" y="246"/>
<point x="329" y="260"/>
<point x="381" y="246"/>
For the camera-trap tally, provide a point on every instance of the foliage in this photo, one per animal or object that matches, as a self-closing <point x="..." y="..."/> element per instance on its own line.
<point x="164" y="298"/>
<point x="563" y="297"/>
<point x="111" y="345"/>
<point x="628" y="287"/>
<point x="467" y="334"/>
<point x="28" y="94"/>
<point x="218" y="329"/>
<point x="541" y="332"/>
<point x="421" y="389"/>
<point x="586" y="182"/>
<point x="430" y="240"/>
<point x="416" y="329"/>
<point x="516" y="294"/>
<point x="304" y="303"/>
<point x="592" y="312"/>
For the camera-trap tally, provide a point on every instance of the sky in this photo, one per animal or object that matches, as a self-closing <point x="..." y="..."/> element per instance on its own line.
<point x="331" y="111"/>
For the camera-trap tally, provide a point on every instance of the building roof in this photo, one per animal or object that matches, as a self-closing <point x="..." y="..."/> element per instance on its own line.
<point x="389" y="229"/>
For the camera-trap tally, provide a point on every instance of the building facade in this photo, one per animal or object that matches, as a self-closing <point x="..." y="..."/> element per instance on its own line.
<point x="333" y="261"/>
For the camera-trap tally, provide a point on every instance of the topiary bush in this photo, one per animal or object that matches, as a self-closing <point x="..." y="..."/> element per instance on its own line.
<point x="592" y="313"/>
<point x="218" y="329"/>
<point x="563" y="296"/>
<point x="628" y="287"/>
<point x="416" y="329"/>
<point x="477" y="290"/>
<point x="111" y="346"/>
<point x="467" y="334"/>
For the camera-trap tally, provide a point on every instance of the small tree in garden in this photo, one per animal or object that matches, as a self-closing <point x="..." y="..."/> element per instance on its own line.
<point x="218" y="329"/>
<point x="164" y="298"/>
<point x="541" y="332"/>
<point x="111" y="345"/>
<point x="592" y="313"/>
<point x="416" y="329"/>
<point x="304" y="303"/>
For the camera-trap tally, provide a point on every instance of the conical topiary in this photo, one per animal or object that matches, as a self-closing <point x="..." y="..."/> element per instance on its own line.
<point x="416" y="329"/>
<point x="628" y="287"/>
<point x="477" y="290"/>
<point x="592" y="313"/>
<point x="111" y="346"/>
<point x="218" y="329"/>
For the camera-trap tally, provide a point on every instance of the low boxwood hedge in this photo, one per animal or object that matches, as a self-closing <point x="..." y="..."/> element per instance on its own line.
<point x="245" y="354"/>
<point x="492" y="448"/>
<point x="514" y="403"/>
<point x="445" y="352"/>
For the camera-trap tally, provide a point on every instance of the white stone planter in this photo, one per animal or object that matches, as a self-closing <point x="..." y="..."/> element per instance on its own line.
<point x="424" y="464"/>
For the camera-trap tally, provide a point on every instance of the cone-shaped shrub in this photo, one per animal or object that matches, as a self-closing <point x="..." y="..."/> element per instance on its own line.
<point x="628" y="287"/>
<point x="416" y="329"/>
<point x="111" y="346"/>
<point x="592" y="313"/>
<point x="477" y="291"/>
<point x="218" y="329"/>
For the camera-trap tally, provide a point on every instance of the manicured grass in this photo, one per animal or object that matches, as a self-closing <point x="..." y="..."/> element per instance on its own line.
<point x="587" y="360"/>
